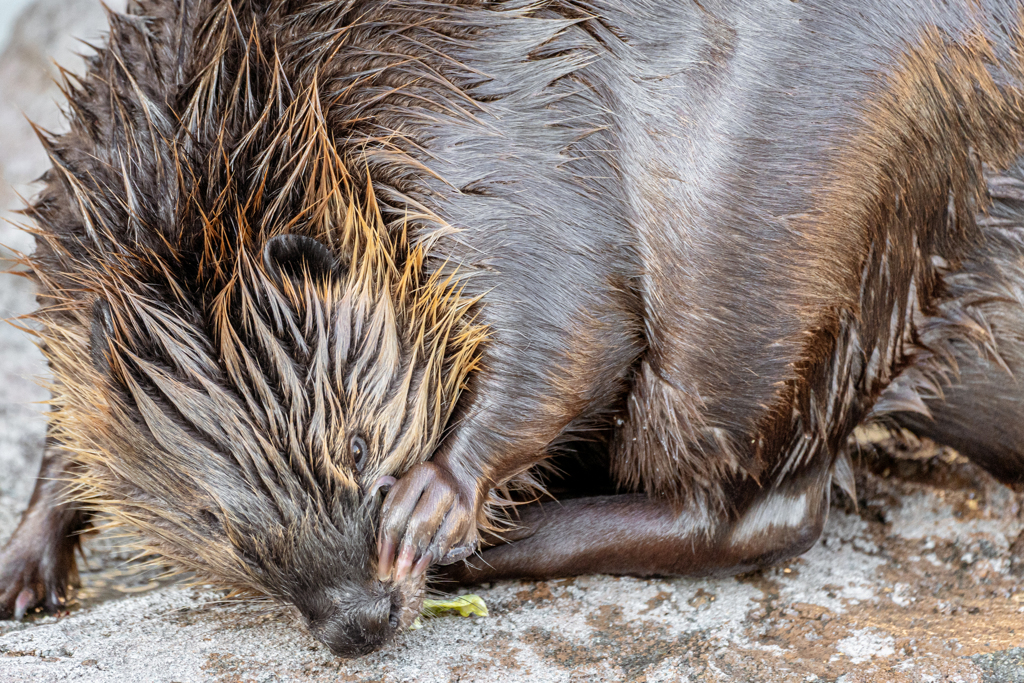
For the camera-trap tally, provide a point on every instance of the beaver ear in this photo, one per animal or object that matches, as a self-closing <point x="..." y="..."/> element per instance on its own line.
<point x="297" y="255"/>
<point x="100" y="331"/>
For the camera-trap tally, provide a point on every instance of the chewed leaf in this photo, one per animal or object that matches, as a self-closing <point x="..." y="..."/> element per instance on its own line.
<point x="464" y="605"/>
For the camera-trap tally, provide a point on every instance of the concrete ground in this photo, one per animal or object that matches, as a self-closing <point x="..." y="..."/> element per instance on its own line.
<point x="921" y="580"/>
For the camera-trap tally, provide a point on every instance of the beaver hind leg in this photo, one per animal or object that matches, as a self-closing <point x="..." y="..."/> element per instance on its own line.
<point x="38" y="563"/>
<point x="640" y="535"/>
<point x="981" y="414"/>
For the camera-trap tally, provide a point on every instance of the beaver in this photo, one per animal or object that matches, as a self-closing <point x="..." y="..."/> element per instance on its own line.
<point x="331" y="291"/>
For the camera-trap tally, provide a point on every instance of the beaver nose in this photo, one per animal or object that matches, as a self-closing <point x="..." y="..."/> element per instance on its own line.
<point x="360" y="631"/>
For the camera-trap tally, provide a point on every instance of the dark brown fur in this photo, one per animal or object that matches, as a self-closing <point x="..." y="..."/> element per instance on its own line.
<point x="291" y="249"/>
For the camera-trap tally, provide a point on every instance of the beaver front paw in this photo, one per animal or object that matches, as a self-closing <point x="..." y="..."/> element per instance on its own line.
<point x="432" y="517"/>
<point x="37" y="566"/>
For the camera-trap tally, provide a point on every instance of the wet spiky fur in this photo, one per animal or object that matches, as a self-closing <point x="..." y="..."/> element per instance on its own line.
<point x="207" y="401"/>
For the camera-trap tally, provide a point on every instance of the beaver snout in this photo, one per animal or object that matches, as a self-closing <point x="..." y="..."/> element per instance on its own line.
<point x="351" y="628"/>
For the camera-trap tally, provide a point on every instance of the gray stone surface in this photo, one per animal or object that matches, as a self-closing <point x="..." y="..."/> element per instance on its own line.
<point x="921" y="581"/>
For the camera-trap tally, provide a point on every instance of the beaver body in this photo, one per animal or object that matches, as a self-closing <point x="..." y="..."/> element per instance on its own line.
<point x="294" y="255"/>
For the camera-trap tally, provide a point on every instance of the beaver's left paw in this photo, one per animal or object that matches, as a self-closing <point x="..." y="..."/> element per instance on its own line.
<point x="37" y="566"/>
<point x="426" y="518"/>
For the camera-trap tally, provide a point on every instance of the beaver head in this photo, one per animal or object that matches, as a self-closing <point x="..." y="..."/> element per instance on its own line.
<point x="249" y="431"/>
<point x="244" y="349"/>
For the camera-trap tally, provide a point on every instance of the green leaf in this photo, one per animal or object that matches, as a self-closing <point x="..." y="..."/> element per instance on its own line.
<point x="464" y="605"/>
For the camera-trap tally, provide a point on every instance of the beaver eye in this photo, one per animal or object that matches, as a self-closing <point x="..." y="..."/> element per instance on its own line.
<point x="358" y="448"/>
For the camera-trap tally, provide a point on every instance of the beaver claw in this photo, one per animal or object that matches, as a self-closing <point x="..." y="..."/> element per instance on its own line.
<point x="432" y="518"/>
<point x="457" y="553"/>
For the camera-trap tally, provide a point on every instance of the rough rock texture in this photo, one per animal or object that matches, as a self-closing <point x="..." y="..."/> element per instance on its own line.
<point x="921" y="580"/>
